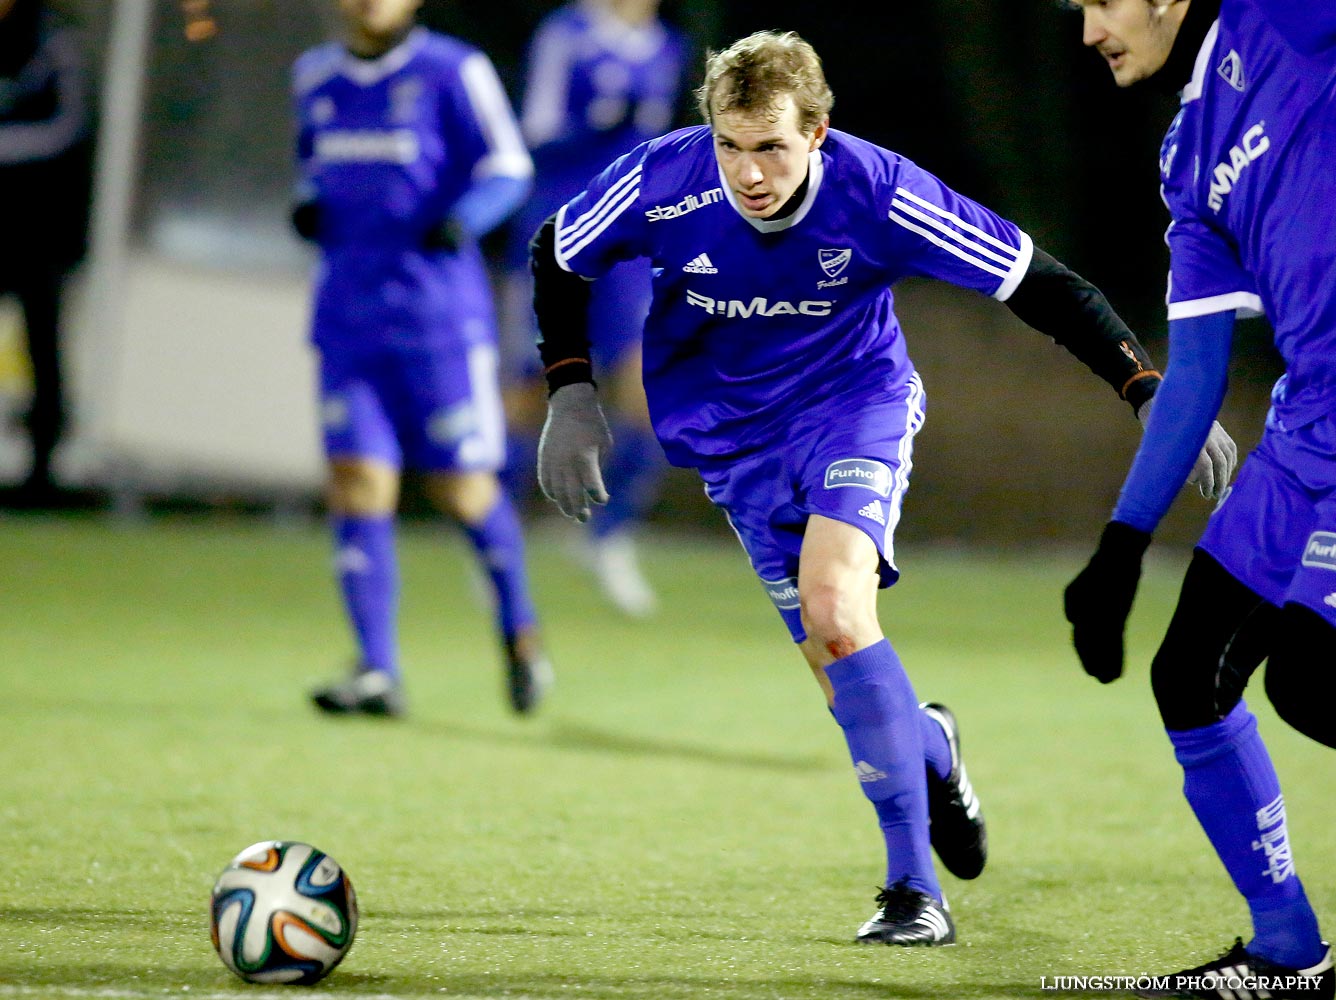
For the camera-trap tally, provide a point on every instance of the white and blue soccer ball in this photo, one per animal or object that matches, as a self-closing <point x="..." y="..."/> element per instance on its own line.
<point x="283" y="912"/>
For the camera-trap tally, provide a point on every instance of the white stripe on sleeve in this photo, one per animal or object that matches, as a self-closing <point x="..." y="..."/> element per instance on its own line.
<point x="506" y="156"/>
<point x="1018" y="270"/>
<point x="573" y="238"/>
<point x="547" y="89"/>
<point x="1244" y="304"/>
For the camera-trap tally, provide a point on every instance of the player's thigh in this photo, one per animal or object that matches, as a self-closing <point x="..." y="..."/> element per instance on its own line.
<point x="856" y="468"/>
<point x="447" y="410"/>
<point x="355" y="423"/>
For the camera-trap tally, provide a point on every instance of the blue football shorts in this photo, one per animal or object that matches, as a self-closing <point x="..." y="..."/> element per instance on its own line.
<point x="1275" y="528"/>
<point x="848" y="459"/>
<point x="432" y="409"/>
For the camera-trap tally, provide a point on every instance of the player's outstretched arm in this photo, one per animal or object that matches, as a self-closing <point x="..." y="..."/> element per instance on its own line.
<point x="1099" y="600"/>
<point x="1215" y="463"/>
<point x="1058" y="302"/>
<point x="575" y="435"/>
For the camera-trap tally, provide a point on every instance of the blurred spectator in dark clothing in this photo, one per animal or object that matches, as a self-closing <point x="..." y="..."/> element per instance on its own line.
<point x="44" y="194"/>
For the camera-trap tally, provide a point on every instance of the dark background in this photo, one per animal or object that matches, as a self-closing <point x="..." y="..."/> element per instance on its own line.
<point x="999" y="99"/>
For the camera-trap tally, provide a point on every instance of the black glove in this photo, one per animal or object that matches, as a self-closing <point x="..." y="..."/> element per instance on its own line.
<point x="447" y="236"/>
<point x="1099" y="600"/>
<point x="305" y="219"/>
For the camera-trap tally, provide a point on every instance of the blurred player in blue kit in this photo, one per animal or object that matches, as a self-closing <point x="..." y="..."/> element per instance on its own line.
<point x="603" y="77"/>
<point x="1248" y="169"/>
<point x="775" y="365"/>
<point x="44" y="175"/>
<point x="407" y="152"/>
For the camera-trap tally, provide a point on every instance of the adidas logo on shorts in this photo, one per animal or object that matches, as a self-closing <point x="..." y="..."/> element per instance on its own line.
<point x="866" y="772"/>
<point x="872" y="511"/>
<point x="700" y="265"/>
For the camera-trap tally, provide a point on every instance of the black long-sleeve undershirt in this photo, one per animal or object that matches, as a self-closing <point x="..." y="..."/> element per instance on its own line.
<point x="1058" y="302"/>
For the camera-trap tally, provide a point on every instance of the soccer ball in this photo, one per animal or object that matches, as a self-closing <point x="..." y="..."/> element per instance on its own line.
<point x="283" y="912"/>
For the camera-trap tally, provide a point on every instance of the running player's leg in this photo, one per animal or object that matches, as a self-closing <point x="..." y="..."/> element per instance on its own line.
<point x="870" y="694"/>
<point x="451" y="421"/>
<point x="363" y="458"/>
<point x="839" y="545"/>
<point x="1225" y="622"/>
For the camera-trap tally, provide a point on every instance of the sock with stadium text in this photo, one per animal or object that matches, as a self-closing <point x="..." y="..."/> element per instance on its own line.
<point x="368" y="572"/>
<point x="498" y="541"/>
<point x="876" y="708"/>
<point x="634" y="470"/>
<point x="936" y="751"/>
<point x="1232" y="787"/>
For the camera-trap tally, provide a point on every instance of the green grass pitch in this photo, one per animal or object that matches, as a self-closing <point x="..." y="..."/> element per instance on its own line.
<point x="679" y="822"/>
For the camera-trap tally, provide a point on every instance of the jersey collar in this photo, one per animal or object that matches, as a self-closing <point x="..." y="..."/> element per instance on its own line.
<point x="815" y="171"/>
<point x="371" y="71"/>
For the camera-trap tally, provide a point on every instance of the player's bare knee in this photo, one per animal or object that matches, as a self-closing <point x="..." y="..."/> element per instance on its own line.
<point x="833" y="617"/>
<point x="362" y="488"/>
<point x="467" y="497"/>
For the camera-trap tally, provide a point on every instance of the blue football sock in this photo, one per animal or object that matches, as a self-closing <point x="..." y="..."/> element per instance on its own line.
<point x="876" y="708"/>
<point x="1232" y="787"/>
<point x="500" y="547"/>
<point x="936" y="751"/>
<point x="634" y="470"/>
<point x="368" y="572"/>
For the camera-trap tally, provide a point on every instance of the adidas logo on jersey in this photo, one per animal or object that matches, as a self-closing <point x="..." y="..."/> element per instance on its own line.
<point x="701" y="265"/>
<point x="872" y="511"/>
<point x="866" y="772"/>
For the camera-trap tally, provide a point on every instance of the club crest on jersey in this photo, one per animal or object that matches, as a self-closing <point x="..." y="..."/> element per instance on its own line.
<point x="865" y="472"/>
<point x="783" y="593"/>
<point x="1321" y="550"/>
<point x="834" y="261"/>
<point x="403" y="100"/>
<point x="1231" y="71"/>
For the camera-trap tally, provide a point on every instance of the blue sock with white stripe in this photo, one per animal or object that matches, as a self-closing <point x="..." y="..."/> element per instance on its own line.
<point x="1232" y="786"/>
<point x="368" y="571"/>
<point x="876" y="708"/>
<point x="499" y="543"/>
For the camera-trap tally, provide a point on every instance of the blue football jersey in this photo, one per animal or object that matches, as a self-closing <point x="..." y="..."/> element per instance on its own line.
<point x="595" y="88"/>
<point x="1249" y="172"/>
<point x="387" y="147"/>
<point x="599" y="86"/>
<point x="754" y="320"/>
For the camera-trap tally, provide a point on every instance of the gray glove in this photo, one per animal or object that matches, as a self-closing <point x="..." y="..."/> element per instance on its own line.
<point x="1215" y="465"/>
<point x="571" y="449"/>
